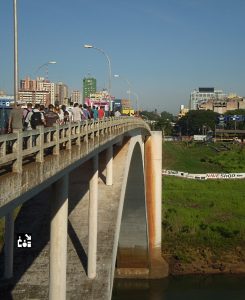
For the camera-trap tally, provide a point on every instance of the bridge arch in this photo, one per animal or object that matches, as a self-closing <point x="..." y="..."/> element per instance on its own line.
<point x="137" y="243"/>
<point x="131" y="238"/>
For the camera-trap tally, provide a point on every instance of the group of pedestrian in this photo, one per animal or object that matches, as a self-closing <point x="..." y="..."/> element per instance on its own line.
<point x="30" y="117"/>
<point x="84" y="112"/>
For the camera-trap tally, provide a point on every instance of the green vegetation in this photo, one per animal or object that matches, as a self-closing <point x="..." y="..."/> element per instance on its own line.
<point x="203" y="158"/>
<point x="231" y="161"/>
<point x="196" y="121"/>
<point x="162" y="122"/>
<point x="201" y="215"/>
<point x="204" y="213"/>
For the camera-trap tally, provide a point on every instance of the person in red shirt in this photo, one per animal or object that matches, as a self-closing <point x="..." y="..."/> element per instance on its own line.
<point x="101" y="113"/>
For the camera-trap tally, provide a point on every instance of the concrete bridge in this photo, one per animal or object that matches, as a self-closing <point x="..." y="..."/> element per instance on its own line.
<point x="90" y="196"/>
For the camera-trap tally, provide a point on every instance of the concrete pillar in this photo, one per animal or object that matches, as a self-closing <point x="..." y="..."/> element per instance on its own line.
<point x="93" y="220"/>
<point x="153" y="165"/>
<point x="9" y="245"/>
<point x="153" y="178"/>
<point x="156" y="140"/>
<point x="58" y="240"/>
<point x="109" y="165"/>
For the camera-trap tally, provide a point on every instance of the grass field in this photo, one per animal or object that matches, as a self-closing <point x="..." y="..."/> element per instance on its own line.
<point x="198" y="157"/>
<point x="202" y="214"/>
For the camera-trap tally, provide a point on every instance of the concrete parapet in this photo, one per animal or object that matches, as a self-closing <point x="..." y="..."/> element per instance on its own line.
<point x="28" y="178"/>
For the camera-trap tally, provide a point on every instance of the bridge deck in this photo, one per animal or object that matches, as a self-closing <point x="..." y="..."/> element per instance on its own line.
<point x="31" y="265"/>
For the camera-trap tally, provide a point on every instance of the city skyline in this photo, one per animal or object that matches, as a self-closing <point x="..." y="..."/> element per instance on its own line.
<point x="164" y="49"/>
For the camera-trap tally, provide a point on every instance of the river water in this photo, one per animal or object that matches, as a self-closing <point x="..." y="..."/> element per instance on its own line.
<point x="215" y="287"/>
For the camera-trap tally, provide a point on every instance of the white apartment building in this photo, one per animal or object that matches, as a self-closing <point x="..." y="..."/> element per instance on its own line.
<point x="40" y="97"/>
<point x="202" y="95"/>
<point x="76" y="96"/>
<point x="61" y="93"/>
<point x="46" y="85"/>
<point x="37" y="91"/>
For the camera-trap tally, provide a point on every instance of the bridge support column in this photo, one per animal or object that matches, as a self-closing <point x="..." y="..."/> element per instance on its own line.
<point x="153" y="178"/>
<point x="58" y="240"/>
<point x="93" y="221"/>
<point x="9" y="245"/>
<point x="109" y="165"/>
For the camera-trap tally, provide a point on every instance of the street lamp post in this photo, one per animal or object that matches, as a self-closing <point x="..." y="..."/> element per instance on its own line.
<point x="129" y="90"/>
<point x="46" y="65"/>
<point x="109" y="66"/>
<point x="16" y="93"/>
<point x="128" y="83"/>
<point x="137" y="101"/>
<point x="43" y="65"/>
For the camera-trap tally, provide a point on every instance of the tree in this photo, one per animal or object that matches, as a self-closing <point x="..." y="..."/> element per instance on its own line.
<point x="161" y="121"/>
<point x="197" y="122"/>
<point x="152" y="116"/>
<point x="167" y="116"/>
<point x="235" y="124"/>
<point x="165" y="123"/>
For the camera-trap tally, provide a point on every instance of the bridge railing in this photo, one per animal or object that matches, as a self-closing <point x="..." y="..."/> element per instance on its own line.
<point x="16" y="147"/>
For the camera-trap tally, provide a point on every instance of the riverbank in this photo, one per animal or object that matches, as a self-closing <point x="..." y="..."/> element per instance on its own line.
<point x="203" y="221"/>
<point x="204" y="261"/>
<point x="203" y="226"/>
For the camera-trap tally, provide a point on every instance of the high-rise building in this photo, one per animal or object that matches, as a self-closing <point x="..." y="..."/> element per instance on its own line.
<point x="202" y="95"/>
<point x="61" y="93"/>
<point x="37" y="91"/>
<point x="221" y="106"/>
<point x="89" y="87"/>
<point x="40" y="97"/>
<point x="76" y="96"/>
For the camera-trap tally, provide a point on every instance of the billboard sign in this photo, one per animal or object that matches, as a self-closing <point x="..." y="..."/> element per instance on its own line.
<point x="5" y="102"/>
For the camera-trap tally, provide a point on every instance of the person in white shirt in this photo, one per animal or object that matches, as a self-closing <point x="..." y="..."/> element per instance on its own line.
<point x="107" y="110"/>
<point x="76" y="113"/>
<point x="29" y="115"/>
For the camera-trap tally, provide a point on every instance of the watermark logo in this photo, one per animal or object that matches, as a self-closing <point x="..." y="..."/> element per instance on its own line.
<point x="23" y="240"/>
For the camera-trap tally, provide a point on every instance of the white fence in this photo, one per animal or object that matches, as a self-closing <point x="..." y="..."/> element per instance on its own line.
<point x="204" y="176"/>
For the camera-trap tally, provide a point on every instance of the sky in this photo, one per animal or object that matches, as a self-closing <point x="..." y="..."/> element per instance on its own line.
<point x="163" y="48"/>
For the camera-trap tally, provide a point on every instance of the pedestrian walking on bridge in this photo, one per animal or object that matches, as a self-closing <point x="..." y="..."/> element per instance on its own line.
<point x="15" y="118"/>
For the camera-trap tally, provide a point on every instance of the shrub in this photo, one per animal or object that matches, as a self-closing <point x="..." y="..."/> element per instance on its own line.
<point x="203" y="226"/>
